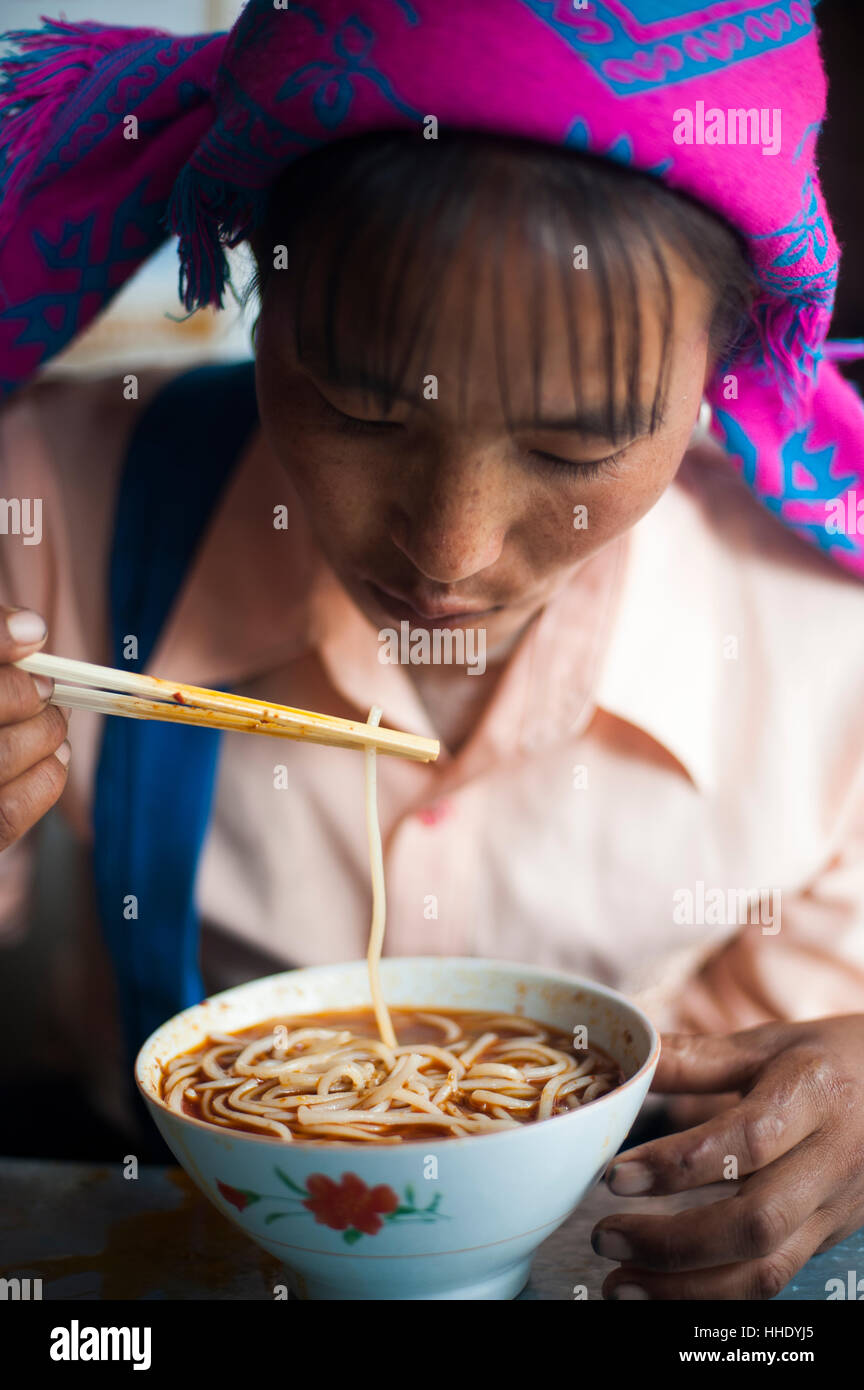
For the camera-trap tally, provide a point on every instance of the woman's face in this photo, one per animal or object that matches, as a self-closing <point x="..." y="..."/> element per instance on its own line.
<point x="438" y="513"/>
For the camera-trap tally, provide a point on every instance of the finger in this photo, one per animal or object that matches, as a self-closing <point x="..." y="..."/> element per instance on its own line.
<point x="752" y="1280"/>
<point x="783" y="1108"/>
<point x="22" y="695"/>
<point x="25" y="800"/>
<point x="699" y="1062"/>
<point x="761" y="1218"/>
<point x="21" y="632"/>
<point x="24" y="744"/>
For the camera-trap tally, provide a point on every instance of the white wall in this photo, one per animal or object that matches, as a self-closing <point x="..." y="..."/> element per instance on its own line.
<point x="179" y="16"/>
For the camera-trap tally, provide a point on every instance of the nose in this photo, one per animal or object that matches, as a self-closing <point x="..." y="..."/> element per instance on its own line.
<point x="453" y="524"/>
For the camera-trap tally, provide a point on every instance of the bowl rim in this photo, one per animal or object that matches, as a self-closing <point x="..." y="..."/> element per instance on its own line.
<point x="540" y="974"/>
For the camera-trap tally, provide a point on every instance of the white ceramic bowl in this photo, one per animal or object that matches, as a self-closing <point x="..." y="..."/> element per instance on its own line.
<point x="471" y="1212"/>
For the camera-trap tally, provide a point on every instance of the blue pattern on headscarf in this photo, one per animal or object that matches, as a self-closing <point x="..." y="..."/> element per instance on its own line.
<point x="333" y="82"/>
<point x="51" y="319"/>
<point x="621" y="150"/>
<point x="821" y="487"/>
<point x="628" y="59"/>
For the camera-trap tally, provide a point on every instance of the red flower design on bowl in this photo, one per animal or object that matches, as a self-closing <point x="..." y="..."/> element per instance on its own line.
<point x="236" y="1196"/>
<point x="349" y="1203"/>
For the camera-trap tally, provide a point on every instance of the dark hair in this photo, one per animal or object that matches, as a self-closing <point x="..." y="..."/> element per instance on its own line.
<point x="358" y="214"/>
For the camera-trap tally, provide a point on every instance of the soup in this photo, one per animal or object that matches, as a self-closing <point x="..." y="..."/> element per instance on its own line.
<point x="348" y="1076"/>
<point x="328" y="1076"/>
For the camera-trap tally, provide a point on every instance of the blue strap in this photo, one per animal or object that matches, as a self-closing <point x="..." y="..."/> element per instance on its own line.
<point x="154" y="782"/>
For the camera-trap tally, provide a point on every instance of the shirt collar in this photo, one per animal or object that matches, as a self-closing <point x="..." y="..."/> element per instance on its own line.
<point x="661" y="666"/>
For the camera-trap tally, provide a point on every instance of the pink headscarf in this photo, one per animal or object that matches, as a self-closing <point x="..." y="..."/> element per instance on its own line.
<point x="655" y="84"/>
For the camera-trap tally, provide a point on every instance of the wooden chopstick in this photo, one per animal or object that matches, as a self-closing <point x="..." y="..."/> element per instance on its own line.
<point x="131" y="707"/>
<point x="83" y="685"/>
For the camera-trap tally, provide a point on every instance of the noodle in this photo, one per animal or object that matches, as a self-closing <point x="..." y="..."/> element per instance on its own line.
<point x="326" y="1078"/>
<point x="379" y="900"/>
<point x="342" y="1085"/>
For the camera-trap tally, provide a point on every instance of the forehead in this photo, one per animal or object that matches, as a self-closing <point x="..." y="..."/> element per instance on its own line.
<point x="520" y="321"/>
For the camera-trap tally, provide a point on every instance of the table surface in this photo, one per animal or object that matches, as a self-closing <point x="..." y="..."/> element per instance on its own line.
<point x="90" y="1233"/>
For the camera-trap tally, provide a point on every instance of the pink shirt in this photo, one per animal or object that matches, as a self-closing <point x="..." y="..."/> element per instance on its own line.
<point x="679" y="730"/>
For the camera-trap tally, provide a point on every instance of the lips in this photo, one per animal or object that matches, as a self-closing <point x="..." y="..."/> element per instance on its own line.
<point x="424" y="608"/>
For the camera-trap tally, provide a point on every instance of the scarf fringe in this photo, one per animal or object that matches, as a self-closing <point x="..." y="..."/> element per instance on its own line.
<point x="53" y="63"/>
<point x="206" y="214"/>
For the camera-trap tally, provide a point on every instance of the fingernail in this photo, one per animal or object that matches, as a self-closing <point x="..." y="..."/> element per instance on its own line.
<point x="64" y="752"/>
<point x="26" y="627"/>
<point x="44" y="686"/>
<point x="631" y="1179"/>
<point x="612" y="1245"/>
<point x="625" y="1291"/>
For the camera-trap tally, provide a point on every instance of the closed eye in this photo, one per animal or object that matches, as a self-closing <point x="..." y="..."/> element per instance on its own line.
<point x="590" y="468"/>
<point x="354" y="424"/>
<point x="351" y="424"/>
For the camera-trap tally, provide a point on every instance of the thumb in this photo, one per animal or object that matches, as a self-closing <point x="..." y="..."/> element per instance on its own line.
<point x="694" y="1063"/>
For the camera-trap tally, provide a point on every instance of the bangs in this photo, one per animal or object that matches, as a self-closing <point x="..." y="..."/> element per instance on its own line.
<point x="373" y="227"/>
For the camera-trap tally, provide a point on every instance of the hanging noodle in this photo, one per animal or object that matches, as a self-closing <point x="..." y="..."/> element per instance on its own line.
<point x="329" y="1077"/>
<point x="379" y="899"/>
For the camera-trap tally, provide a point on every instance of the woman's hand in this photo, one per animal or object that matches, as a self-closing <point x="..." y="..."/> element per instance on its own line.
<point x="797" y="1131"/>
<point x="34" y="752"/>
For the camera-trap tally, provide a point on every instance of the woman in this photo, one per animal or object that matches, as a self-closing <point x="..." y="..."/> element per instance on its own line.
<point x="481" y="356"/>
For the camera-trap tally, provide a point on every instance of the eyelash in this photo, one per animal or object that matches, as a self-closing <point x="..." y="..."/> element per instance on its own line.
<point x="591" y="469"/>
<point x="350" y="424"/>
